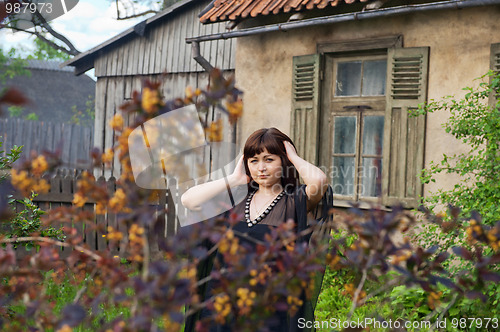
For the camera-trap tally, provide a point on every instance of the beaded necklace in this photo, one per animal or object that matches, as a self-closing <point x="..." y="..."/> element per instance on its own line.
<point x="250" y="223"/>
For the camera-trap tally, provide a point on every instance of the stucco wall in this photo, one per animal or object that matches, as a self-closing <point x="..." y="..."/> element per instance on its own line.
<point x="459" y="42"/>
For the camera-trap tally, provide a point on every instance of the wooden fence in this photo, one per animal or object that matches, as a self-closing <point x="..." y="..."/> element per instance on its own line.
<point x="64" y="184"/>
<point x="72" y="141"/>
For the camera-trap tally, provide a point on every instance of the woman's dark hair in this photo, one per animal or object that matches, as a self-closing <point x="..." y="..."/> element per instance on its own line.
<point x="272" y="140"/>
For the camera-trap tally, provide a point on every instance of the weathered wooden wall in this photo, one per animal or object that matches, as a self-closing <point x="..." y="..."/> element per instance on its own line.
<point x="162" y="50"/>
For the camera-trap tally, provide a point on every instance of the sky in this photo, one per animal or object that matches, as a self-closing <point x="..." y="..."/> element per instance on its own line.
<point x="88" y="24"/>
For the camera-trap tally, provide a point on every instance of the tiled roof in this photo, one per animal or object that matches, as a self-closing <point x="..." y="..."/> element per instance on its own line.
<point x="223" y="10"/>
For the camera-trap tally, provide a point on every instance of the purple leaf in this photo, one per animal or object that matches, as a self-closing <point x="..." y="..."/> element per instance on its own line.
<point x="73" y="315"/>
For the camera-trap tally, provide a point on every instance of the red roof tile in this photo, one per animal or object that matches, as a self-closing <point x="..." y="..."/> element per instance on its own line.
<point x="224" y="10"/>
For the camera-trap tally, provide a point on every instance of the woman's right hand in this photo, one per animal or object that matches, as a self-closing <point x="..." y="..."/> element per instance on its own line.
<point x="239" y="175"/>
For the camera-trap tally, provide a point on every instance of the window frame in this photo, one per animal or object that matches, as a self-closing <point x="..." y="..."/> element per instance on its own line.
<point x="343" y="50"/>
<point x="328" y="105"/>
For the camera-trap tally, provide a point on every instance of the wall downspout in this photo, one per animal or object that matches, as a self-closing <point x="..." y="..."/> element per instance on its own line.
<point x="195" y="48"/>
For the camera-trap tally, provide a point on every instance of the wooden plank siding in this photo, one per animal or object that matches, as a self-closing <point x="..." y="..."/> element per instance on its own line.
<point x="163" y="48"/>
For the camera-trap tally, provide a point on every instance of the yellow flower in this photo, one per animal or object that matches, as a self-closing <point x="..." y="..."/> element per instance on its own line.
<point x="65" y="328"/>
<point x="433" y="298"/>
<point x="222" y="307"/>
<point x="150" y="100"/>
<point x="79" y="200"/>
<point x="39" y="165"/>
<point x="107" y="157"/>
<point x="114" y="235"/>
<point x="214" y="131"/>
<point x="118" y="201"/>
<point x="42" y="187"/>
<point x="235" y="109"/>
<point x="20" y="179"/>
<point x="100" y="208"/>
<point x="116" y="122"/>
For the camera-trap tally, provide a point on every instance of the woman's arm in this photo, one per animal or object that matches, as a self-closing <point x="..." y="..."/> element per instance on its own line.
<point x="195" y="196"/>
<point x="315" y="179"/>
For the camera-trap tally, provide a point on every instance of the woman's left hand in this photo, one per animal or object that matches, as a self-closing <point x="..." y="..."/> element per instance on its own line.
<point x="290" y="150"/>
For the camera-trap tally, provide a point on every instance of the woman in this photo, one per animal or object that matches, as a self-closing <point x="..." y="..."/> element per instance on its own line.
<point x="270" y="166"/>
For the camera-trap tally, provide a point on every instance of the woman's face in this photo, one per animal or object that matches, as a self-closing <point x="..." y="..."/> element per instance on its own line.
<point x="265" y="169"/>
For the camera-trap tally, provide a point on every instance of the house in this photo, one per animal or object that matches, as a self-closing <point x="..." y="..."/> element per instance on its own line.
<point x="154" y="49"/>
<point x="55" y="95"/>
<point x="54" y="91"/>
<point x="341" y="76"/>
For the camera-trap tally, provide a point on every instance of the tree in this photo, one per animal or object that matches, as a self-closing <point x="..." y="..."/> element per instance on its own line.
<point x="477" y="124"/>
<point x="35" y="20"/>
<point x="44" y="51"/>
<point x="11" y="65"/>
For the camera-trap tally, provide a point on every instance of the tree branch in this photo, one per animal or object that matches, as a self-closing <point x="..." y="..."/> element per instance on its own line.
<point x="51" y="241"/>
<point x="150" y="11"/>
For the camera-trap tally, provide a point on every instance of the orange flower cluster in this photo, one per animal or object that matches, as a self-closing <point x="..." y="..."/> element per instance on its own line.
<point x="229" y="244"/>
<point x="26" y="185"/>
<point x="107" y="157"/>
<point x="260" y="277"/>
<point x="151" y="100"/>
<point x="79" y="200"/>
<point x="87" y="188"/>
<point x="245" y="300"/>
<point x="65" y="328"/>
<point x="214" y="131"/>
<point x="118" y="202"/>
<point x="333" y="261"/>
<point x="117" y="122"/>
<point x="189" y="99"/>
<point x="493" y="237"/>
<point x="39" y="165"/>
<point x="400" y="256"/>
<point x="433" y="299"/>
<point x="169" y="324"/>
<point x="222" y="307"/>
<point x="235" y="110"/>
<point x="473" y="231"/>
<point x="294" y="303"/>
<point x="349" y="290"/>
<point x="114" y="234"/>
<point x="188" y="273"/>
<point x="136" y="241"/>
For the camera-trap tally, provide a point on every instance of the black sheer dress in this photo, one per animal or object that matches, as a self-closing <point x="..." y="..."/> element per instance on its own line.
<point x="291" y="206"/>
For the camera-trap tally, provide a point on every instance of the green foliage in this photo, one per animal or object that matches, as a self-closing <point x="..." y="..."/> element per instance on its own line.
<point x="28" y="222"/>
<point x="11" y="65"/>
<point x="477" y="124"/>
<point x="17" y="112"/>
<point x="44" y="51"/>
<point x="32" y="116"/>
<point x="85" y="117"/>
<point x="9" y="159"/>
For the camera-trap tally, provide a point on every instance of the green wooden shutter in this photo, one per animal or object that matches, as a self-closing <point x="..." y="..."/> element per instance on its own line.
<point x="495" y="66"/>
<point x="403" y="151"/>
<point x="305" y="106"/>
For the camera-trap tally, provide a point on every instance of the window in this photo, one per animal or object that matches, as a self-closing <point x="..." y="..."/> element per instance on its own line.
<point x="356" y="113"/>
<point x="350" y="105"/>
